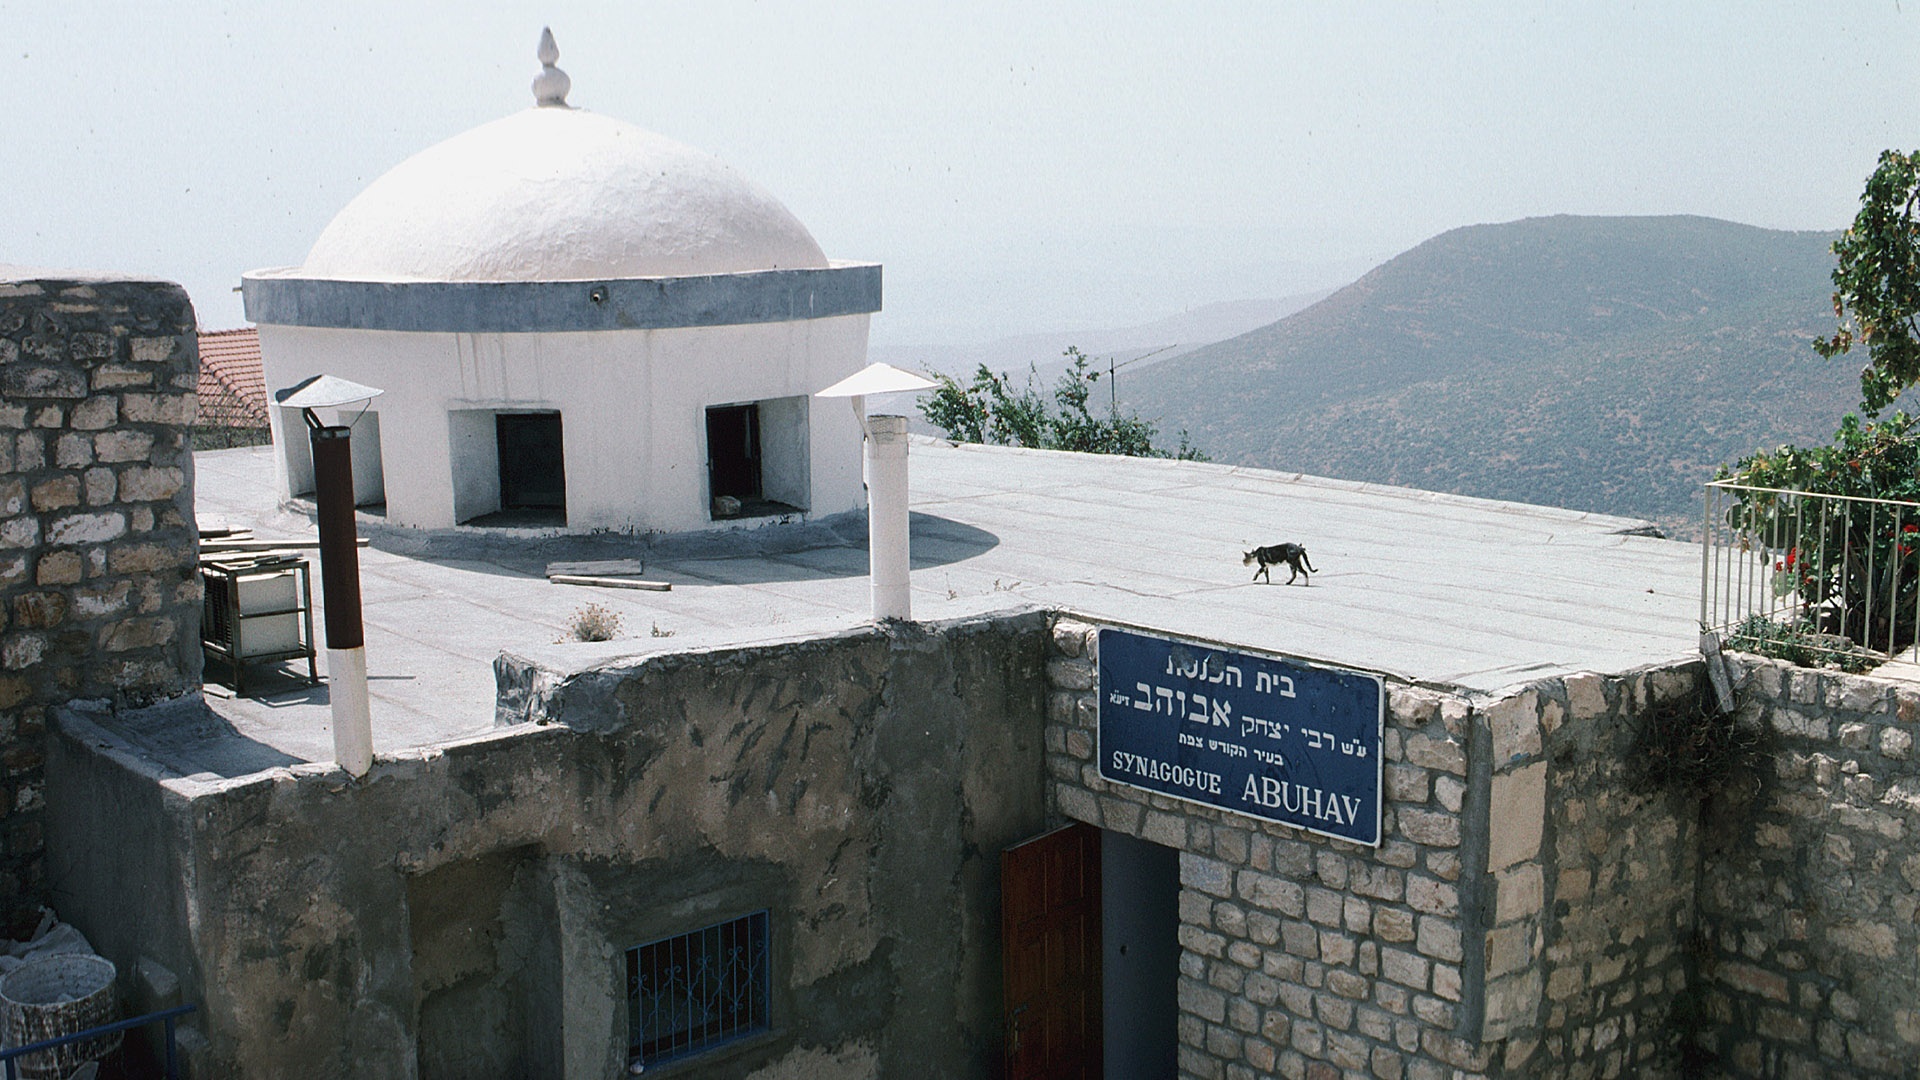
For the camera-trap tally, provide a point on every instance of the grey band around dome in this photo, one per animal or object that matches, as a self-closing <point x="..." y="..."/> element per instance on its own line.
<point x="511" y="307"/>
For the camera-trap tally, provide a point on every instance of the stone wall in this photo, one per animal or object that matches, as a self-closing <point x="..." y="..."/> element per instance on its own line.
<point x="1810" y="904"/>
<point x="1588" y="954"/>
<point x="1301" y="955"/>
<point x="859" y="785"/>
<point x="1526" y="914"/>
<point x="98" y="594"/>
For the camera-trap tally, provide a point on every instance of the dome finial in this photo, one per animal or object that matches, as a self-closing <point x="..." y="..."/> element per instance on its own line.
<point x="551" y="85"/>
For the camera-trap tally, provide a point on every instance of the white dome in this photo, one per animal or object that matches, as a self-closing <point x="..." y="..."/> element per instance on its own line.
<point x="556" y="194"/>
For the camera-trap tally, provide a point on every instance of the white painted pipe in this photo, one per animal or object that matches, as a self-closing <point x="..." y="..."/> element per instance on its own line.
<point x="352" y="722"/>
<point x="887" y="543"/>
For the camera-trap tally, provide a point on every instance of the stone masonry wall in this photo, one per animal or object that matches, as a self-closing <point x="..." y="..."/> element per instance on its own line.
<point x="1526" y="915"/>
<point x="98" y="594"/>
<point x="1593" y="934"/>
<point x="1810" y="908"/>
<point x="1303" y="956"/>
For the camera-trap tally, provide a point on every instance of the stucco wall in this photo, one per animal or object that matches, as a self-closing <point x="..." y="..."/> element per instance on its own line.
<point x="860" y="785"/>
<point x="1810" y="906"/>
<point x="632" y="404"/>
<point x="98" y="594"/>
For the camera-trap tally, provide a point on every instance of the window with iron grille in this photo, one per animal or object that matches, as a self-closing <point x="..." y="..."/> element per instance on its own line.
<point x="695" y="991"/>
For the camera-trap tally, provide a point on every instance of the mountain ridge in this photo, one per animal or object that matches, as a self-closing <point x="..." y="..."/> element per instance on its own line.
<point x="1597" y="363"/>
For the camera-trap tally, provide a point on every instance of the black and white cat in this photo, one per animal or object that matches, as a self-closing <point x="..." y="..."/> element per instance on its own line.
<point x="1293" y="555"/>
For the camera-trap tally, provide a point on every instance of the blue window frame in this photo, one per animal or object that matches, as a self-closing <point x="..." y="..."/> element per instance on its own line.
<point x="695" y="991"/>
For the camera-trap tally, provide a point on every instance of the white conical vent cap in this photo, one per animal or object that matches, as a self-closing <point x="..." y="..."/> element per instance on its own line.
<point x="878" y="379"/>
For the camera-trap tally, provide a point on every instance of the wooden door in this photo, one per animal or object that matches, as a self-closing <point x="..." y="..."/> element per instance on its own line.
<point x="1050" y="938"/>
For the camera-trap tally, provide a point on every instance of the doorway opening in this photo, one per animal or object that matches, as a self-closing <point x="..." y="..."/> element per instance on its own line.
<point x="1090" y="936"/>
<point x="757" y="458"/>
<point x="509" y="468"/>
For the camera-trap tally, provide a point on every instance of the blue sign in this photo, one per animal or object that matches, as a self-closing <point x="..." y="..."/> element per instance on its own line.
<point x="1269" y="738"/>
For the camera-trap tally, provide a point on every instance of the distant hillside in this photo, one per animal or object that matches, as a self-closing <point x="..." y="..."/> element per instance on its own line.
<point x="1175" y="334"/>
<point x="1595" y="363"/>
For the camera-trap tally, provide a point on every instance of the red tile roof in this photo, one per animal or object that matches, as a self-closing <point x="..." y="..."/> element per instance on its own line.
<point x="233" y="391"/>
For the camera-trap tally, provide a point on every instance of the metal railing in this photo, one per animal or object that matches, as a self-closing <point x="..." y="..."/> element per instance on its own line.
<point x="165" y="1016"/>
<point x="1833" y="575"/>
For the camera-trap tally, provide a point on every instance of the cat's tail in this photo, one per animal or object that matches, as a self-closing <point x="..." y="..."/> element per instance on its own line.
<point x="1306" y="562"/>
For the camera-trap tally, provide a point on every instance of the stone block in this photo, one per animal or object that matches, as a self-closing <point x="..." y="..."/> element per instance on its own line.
<point x="1438" y="938"/>
<point x="1167" y="830"/>
<point x="137" y="633"/>
<point x="1331" y="868"/>
<point x="49" y="416"/>
<point x="1552" y="714"/>
<point x="101" y="486"/>
<point x="1515" y="726"/>
<point x="1392" y="924"/>
<point x="29" y="451"/>
<point x="1586" y="696"/>
<point x="1855" y="736"/>
<point x="1896" y="744"/>
<point x="1407" y="783"/>
<point x="1070" y="637"/>
<point x="1863" y="695"/>
<point x="1272" y="893"/>
<point x="96" y="413"/>
<point x="62" y="383"/>
<point x="1443" y="753"/>
<point x="1075" y="802"/>
<point x="1337" y="947"/>
<point x="87" y="528"/>
<point x="1202" y="942"/>
<point x="1209" y="876"/>
<point x="58" y="568"/>
<point x="1877" y="941"/>
<point x="1406" y="968"/>
<point x="1069" y="674"/>
<point x="56" y="494"/>
<point x="121" y="377"/>
<point x="152" y="350"/>
<point x="1431" y="896"/>
<point x="1521" y="891"/>
<point x="19" y="532"/>
<point x="1517" y="812"/>
<point x="1202" y="1000"/>
<point x="21" y="651"/>
<point x="1512" y="1004"/>
<point x="176" y="409"/>
<point x="1301" y="939"/>
<point x="1430" y="828"/>
<point x="40" y="610"/>
<point x="1509" y="948"/>
<point x="72" y="450"/>
<point x="1378" y="882"/>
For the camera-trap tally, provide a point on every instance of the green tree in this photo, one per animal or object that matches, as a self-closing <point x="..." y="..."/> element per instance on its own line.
<point x="1855" y="571"/>
<point x="1876" y="283"/>
<point x="992" y="409"/>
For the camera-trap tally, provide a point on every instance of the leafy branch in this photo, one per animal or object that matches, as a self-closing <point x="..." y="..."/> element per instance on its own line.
<point x="992" y="409"/>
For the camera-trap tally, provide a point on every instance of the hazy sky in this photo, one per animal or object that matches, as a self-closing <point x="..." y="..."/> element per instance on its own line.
<point x="1016" y="167"/>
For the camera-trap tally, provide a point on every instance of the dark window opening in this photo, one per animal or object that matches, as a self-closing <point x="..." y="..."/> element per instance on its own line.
<point x="733" y="453"/>
<point x="696" y="991"/>
<point x="533" y="472"/>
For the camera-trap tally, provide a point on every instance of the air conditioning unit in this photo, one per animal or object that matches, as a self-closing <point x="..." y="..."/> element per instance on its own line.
<point x="257" y="609"/>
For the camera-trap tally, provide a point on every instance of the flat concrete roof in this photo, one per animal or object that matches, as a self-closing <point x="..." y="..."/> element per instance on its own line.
<point x="1431" y="588"/>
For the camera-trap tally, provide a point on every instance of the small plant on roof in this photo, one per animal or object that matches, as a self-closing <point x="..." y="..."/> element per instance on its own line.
<point x="594" y="623"/>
